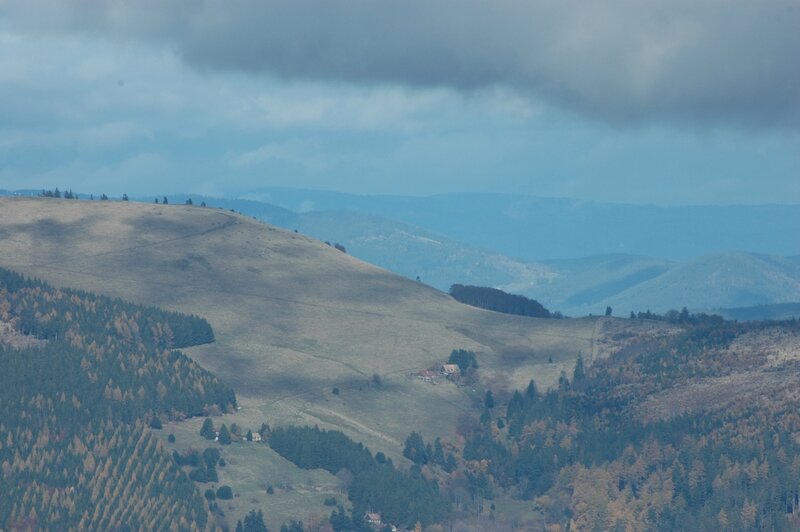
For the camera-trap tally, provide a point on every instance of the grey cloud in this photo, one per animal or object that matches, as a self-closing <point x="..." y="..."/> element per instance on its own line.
<point x="700" y="62"/>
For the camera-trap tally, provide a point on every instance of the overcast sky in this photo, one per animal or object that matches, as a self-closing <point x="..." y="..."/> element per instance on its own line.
<point x="673" y="102"/>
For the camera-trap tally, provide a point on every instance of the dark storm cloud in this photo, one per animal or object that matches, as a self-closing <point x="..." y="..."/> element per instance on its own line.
<point x="700" y="62"/>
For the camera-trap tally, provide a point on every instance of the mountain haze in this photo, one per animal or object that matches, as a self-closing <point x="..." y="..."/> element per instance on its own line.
<point x="719" y="280"/>
<point x="533" y="228"/>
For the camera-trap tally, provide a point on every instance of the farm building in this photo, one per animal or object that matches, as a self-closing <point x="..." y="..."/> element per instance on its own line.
<point x="451" y="369"/>
<point x="428" y="375"/>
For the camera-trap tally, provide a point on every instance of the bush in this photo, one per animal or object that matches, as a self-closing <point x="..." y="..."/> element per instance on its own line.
<point x="171" y="438"/>
<point x="225" y="493"/>
<point x="211" y="456"/>
<point x="155" y="423"/>
<point x="204" y="475"/>
<point x="210" y="495"/>
<point x="191" y="458"/>
<point x="330" y="501"/>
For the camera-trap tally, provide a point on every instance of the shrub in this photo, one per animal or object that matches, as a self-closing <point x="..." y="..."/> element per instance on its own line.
<point x="211" y="456"/>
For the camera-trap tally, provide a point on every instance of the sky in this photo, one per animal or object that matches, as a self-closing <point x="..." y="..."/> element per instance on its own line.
<point x="667" y="102"/>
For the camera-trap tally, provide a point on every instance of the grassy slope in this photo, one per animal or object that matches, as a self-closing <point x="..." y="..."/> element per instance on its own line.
<point x="293" y="317"/>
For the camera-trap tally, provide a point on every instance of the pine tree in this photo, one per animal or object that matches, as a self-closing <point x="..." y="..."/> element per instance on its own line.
<point x="531" y="392"/>
<point x="254" y="522"/>
<point x="224" y="435"/>
<point x="579" y="373"/>
<point x="438" y="452"/>
<point x="207" y="430"/>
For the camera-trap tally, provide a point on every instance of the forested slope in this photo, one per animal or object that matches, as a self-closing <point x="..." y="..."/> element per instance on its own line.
<point x="693" y="431"/>
<point x="75" y="452"/>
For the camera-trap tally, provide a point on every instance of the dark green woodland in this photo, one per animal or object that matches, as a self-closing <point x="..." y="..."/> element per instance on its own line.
<point x="76" y="403"/>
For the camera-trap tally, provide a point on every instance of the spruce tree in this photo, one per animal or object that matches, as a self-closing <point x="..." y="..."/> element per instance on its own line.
<point x="254" y="522"/>
<point x="207" y="430"/>
<point x="224" y="435"/>
<point x="579" y="373"/>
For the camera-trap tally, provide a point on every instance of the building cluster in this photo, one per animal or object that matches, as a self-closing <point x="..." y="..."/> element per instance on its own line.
<point x="446" y="371"/>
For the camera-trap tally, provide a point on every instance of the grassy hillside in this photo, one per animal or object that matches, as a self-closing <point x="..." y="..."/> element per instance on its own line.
<point x="400" y="247"/>
<point x="576" y="287"/>
<point x="293" y="317"/>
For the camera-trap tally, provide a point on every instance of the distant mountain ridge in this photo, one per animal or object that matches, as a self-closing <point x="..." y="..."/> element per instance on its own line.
<point x="718" y="280"/>
<point x="533" y="228"/>
<point x="776" y="311"/>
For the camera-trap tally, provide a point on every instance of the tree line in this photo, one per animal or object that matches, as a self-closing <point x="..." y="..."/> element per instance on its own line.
<point x="403" y="498"/>
<point x="499" y="301"/>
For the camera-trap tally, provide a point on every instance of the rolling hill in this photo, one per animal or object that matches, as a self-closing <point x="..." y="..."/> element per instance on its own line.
<point x="400" y="247"/>
<point x="302" y="329"/>
<point x="575" y="287"/>
<point x="293" y="318"/>
<point x="719" y="280"/>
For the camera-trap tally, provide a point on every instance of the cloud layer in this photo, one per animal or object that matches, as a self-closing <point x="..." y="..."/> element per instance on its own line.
<point x="696" y="62"/>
